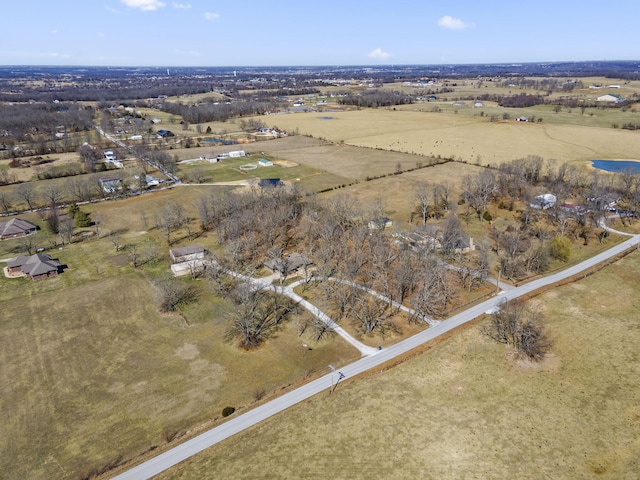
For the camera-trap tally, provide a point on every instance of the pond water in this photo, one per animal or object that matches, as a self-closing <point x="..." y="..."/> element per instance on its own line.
<point x="325" y="118"/>
<point x="617" y="166"/>
<point x="219" y="140"/>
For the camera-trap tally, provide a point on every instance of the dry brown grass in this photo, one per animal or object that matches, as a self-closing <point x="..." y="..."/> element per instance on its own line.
<point x="464" y="137"/>
<point x="466" y="409"/>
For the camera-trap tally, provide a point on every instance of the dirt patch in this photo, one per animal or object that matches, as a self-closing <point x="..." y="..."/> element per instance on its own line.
<point x="550" y="363"/>
<point x="188" y="351"/>
<point x="285" y="163"/>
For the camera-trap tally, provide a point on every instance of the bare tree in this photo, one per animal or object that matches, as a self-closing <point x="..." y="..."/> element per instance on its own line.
<point x="27" y="192"/>
<point x="422" y="196"/>
<point x="255" y="314"/>
<point x="521" y="327"/>
<point x="5" y="202"/>
<point x="173" y="292"/>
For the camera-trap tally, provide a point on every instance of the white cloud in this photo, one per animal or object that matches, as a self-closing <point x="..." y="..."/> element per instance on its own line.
<point x="55" y="55"/>
<point x="144" y="5"/>
<point x="54" y="31"/>
<point x="379" y="54"/>
<point x="453" y="23"/>
<point x="211" y="16"/>
<point x="186" y="53"/>
<point x="181" y="6"/>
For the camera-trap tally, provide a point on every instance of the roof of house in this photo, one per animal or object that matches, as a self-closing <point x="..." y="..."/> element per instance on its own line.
<point x="270" y="182"/>
<point x="15" y="226"/>
<point x="188" y="250"/>
<point x="290" y="263"/>
<point x="34" y="265"/>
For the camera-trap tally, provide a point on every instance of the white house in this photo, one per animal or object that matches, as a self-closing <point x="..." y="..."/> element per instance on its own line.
<point x="544" y="201"/>
<point x="111" y="184"/>
<point x="610" y="98"/>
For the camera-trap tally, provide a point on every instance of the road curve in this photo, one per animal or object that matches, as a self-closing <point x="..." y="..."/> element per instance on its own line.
<point x="236" y="425"/>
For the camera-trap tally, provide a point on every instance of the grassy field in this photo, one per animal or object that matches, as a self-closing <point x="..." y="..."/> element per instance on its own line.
<point x="92" y="373"/>
<point x="466" y="137"/>
<point x="466" y="409"/>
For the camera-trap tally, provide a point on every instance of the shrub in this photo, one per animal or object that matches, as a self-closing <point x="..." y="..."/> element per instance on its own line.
<point x="226" y="411"/>
<point x="561" y="248"/>
<point x="486" y="216"/>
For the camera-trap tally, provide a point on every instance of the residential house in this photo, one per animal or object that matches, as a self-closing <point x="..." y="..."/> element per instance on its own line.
<point x="542" y="202"/>
<point x="110" y="184"/>
<point x="36" y="267"/>
<point x="165" y="133"/>
<point x="186" y="254"/>
<point x="380" y="223"/>
<point x="16" y="227"/>
<point x="610" y="98"/>
<point x="288" y="264"/>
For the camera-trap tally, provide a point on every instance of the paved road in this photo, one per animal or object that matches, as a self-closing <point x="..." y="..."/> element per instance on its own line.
<point x="236" y="425"/>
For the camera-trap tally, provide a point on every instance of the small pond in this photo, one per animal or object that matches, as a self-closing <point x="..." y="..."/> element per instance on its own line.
<point x="220" y="140"/>
<point x="325" y="118"/>
<point x="617" y="166"/>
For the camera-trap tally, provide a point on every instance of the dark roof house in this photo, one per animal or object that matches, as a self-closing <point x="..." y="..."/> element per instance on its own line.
<point x="288" y="264"/>
<point x="35" y="266"/>
<point x="16" y="227"/>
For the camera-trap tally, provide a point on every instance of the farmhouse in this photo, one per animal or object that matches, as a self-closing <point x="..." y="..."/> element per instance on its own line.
<point x="165" y="133"/>
<point x="291" y="263"/>
<point x="186" y="254"/>
<point x="110" y="184"/>
<point x="610" y="98"/>
<point x="16" y="227"/>
<point x="380" y="223"/>
<point x="542" y="202"/>
<point x="232" y="154"/>
<point x="36" y="266"/>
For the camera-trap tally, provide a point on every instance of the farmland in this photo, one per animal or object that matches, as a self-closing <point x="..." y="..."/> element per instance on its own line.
<point x="94" y="374"/>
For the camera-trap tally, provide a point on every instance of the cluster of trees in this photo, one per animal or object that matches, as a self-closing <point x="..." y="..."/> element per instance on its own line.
<point x="376" y="98"/>
<point x="545" y="84"/>
<point x="216" y="111"/>
<point x="520" y="326"/>
<point x="350" y="260"/>
<point x="32" y="119"/>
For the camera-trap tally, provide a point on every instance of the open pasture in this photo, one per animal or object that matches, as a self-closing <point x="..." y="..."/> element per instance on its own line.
<point x="466" y="137"/>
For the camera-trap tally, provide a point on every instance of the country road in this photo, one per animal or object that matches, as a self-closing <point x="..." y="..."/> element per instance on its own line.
<point x="236" y="425"/>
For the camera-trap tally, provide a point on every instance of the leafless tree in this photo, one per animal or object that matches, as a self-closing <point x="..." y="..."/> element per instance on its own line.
<point x="521" y="327"/>
<point x="27" y="192"/>
<point x="5" y="202"/>
<point x="173" y="292"/>
<point x="65" y="228"/>
<point x="256" y="313"/>
<point x="423" y="195"/>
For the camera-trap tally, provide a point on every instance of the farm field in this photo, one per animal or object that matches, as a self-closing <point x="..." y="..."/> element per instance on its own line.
<point x="94" y="374"/>
<point x="468" y="138"/>
<point x="464" y="408"/>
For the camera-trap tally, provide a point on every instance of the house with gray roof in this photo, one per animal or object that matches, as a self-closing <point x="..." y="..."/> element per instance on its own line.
<point x="36" y="267"/>
<point x="186" y="254"/>
<point x="16" y="227"/>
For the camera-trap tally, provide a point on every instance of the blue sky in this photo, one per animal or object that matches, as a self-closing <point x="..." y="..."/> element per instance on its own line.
<point x="331" y="32"/>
